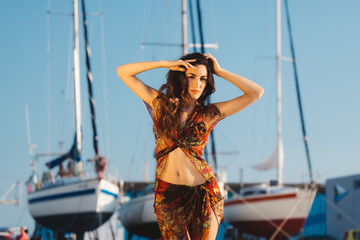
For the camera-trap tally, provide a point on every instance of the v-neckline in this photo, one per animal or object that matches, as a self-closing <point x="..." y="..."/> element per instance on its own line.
<point x="187" y="118"/>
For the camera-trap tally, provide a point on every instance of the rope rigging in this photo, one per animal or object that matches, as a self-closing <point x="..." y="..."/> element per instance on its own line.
<point x="298" y="91"/>
<point x="89" y="81"/>
<point x="202" y="44"/>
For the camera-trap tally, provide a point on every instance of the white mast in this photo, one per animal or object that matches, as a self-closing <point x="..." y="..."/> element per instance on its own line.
<point x="77" y="76"/>
<point x="146" y="171"/>
<point x="184" y="27"/>
<point x="278" y="77"/>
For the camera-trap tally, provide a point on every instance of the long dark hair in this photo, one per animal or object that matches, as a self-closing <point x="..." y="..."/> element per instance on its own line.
<point x="174" y="93"/>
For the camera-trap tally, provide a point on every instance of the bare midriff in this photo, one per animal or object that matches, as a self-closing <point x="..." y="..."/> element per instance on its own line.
<point x="180" y="170"/>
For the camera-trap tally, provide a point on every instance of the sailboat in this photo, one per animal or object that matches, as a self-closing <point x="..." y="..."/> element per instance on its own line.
<point x="272" y="210"/>
<point x="78" y="202"/>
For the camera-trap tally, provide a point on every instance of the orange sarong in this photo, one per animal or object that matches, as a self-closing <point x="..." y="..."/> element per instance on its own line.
<point x="182" y="208"/>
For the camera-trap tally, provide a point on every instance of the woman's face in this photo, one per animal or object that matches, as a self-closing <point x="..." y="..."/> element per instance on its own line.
<point x="197" y="80"/>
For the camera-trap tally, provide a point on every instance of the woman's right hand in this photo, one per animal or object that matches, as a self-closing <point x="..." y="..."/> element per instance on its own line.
<point x="179" y="65"/>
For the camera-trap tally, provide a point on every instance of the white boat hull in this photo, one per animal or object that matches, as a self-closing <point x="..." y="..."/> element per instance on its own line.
<point x="77" y="206"/>
<point x="281" y="214"/>
<point x="138" y="216"/>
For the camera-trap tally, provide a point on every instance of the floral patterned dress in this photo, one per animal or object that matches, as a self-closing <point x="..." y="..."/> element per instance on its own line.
<point x="181" y="208"/>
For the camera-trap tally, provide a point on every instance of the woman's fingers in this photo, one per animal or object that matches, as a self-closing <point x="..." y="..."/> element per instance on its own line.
<point x="181" y="69"/>
<point x="191" y="66"/>
<point x="208" y="55"/>
<point x="181" y="65"/>
<point x="188" y="63"/>
<point x="215" y="65"/>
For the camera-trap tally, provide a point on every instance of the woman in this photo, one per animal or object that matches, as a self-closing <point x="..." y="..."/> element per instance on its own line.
<point x="188" y="202"/>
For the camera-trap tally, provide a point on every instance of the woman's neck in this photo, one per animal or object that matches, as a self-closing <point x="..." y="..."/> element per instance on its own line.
<point x="189" y="105"/>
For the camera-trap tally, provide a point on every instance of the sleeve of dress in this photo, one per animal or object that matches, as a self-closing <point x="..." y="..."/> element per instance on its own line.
<point x="150" y="110"/>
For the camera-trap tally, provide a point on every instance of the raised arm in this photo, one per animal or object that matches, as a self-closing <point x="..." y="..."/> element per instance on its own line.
<point x="127" y="73"/>
<point x="252" y="91"/>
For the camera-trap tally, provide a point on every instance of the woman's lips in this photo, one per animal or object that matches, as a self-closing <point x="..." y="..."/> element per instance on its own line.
<point x="195" y="91"/>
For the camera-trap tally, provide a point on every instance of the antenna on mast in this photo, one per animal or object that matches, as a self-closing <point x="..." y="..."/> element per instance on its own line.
<point x="184" y="45"/>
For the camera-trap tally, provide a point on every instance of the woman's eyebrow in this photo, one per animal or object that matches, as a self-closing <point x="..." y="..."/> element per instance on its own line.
<point x="193" y="74"/>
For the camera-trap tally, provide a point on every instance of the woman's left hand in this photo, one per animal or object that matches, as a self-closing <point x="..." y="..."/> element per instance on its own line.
<point x="216" y="65"/>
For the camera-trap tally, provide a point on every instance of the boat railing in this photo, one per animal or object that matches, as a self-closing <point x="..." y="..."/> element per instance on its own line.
<point x="79" y="171"/>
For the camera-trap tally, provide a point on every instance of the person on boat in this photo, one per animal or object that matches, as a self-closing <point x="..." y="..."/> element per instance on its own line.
<point x="70" y="168"/>
<point x="62" y="171"/>
<point x="100" y="166"/>
<point x="188" y="202"/>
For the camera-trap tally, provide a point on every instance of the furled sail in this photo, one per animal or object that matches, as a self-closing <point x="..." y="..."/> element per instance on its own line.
<point x="271" y="162"/>
<point x="73" y="154"/>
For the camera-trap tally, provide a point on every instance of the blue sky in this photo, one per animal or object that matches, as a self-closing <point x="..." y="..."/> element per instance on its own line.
<point x="35" y="61"/>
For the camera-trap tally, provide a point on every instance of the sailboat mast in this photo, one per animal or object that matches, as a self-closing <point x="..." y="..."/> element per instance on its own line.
<point x="184" y="27"/>
<point x="77" y="77"/>
<point x="278" y="82"/>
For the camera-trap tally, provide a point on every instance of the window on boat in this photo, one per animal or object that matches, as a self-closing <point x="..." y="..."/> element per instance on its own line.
<point x="255" y="192"/>
<point x="247" y="193"/>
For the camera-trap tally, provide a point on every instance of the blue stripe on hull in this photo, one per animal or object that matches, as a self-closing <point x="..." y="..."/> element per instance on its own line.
<point x="109" y="193"/>
<point x="69" y="194"/>
<point x="74" y="222"/>
<point x="62" y="195"/>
